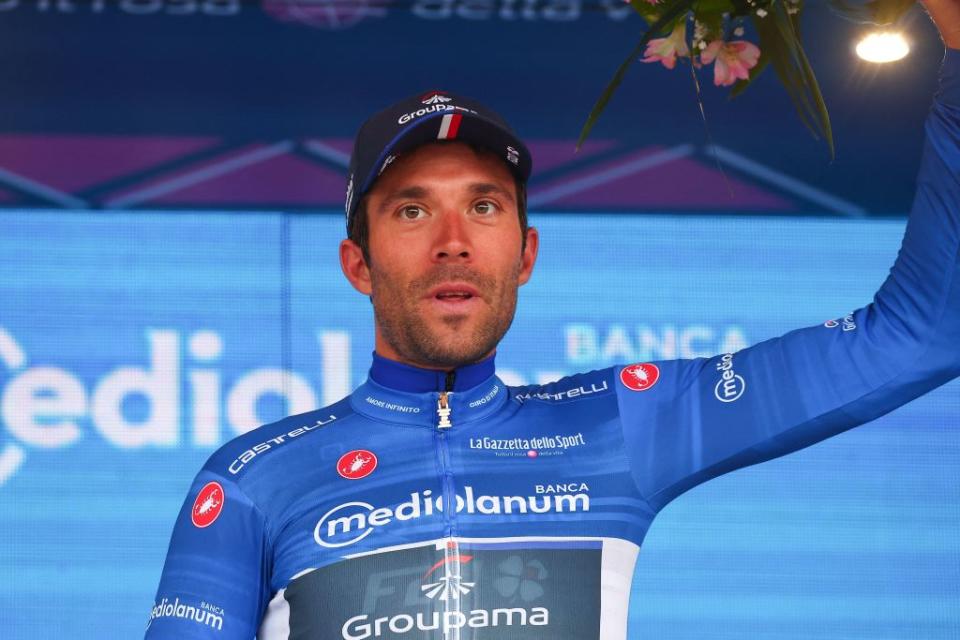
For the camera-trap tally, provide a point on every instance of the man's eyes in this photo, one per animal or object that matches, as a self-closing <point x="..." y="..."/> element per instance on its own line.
<point x="415" y="212"/>
<point x="412" y="212"/>
<point x="485" y="207"/>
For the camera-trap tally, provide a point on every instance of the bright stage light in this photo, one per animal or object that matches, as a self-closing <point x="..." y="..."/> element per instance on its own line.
<point x="882" y="47"/>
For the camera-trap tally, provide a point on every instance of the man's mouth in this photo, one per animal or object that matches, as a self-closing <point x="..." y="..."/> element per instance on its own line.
<point x="454" y="296"/>
<point x="453" y="292"/>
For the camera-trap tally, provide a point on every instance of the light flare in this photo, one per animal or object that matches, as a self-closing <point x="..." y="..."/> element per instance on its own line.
<point x="882" y="46"/>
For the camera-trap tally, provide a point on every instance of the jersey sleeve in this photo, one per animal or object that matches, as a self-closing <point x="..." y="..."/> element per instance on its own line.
<point x="215" y="581"/>
<point x="706" y="417"/>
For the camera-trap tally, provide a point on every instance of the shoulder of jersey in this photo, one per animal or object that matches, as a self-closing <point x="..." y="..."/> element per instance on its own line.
<point x="235" y="458"/>
<point x="578" y="387"/>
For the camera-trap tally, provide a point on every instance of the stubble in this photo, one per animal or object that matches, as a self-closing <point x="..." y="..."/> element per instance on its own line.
<point x="459" y="339"/>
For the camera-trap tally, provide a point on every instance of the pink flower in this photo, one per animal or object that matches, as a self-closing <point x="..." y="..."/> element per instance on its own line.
<point x="733" y="60"/>
<point x="667" y="49"/>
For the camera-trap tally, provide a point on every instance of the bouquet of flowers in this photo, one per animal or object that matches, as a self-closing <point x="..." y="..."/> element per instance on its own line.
<point x="706" y="32"/>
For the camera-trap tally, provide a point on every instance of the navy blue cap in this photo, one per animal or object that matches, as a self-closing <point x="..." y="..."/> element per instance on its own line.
<point x="423" y="118"/>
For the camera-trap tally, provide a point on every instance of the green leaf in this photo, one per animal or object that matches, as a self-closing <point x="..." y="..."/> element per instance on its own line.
<point x="712" y="20"/>
<point x="715" y="6"/>
<point x="880" y="12"/>
<point x="671" y="11"/>
<point x="740" y="8"/>
<point x="811" y="88"/>
<point x="780" y="39"/>
<point x="647" y="11"/>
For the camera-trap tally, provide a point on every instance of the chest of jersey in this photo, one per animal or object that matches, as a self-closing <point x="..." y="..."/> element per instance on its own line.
<point x="507" y="528"/>
<point x="539" y="471"/>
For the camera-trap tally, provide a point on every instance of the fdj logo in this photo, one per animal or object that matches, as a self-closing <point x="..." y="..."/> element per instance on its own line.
<point x="445" y="586"/>
<point x="178" y="391"/>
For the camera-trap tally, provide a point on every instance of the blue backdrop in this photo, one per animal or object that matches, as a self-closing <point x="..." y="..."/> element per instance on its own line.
<point x="133" y="344"/>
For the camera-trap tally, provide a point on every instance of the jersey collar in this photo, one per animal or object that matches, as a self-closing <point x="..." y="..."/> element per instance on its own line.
<point x="401" y="393"/>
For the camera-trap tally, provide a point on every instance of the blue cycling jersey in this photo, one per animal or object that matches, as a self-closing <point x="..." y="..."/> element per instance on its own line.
<point x="449" y="505"/>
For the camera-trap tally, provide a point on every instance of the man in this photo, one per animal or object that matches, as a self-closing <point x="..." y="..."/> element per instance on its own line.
<point x="434" y="501"/>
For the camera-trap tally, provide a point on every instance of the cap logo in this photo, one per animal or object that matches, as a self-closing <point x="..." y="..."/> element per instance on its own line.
<point x="349" y="194"/>
<point x="436" y="99"/>
<point x="449" y="125"/>
<point x="513" y="155"/>
<point x="431" y="108"/>
<point x="386" y="163"/>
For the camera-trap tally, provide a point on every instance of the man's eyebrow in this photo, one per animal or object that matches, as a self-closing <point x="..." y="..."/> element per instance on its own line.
<point x="485" y="188"/>
<point x="407" y="193"/>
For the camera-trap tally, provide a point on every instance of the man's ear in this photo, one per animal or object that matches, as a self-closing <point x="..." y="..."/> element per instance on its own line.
<point x="355" y="267"/>
<point x="529" y="257"/>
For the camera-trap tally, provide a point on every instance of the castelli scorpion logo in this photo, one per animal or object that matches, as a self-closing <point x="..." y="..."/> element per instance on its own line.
<point x="208" y="505"/>
<point x="640" y="377"/>
<point x="356" y="464"/>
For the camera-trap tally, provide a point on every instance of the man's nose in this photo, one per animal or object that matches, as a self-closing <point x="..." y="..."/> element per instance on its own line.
<point x="452" y="240"/>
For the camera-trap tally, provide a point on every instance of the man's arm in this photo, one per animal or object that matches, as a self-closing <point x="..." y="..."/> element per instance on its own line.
<point x="946" y="15"/>
<point x="215" y="582"/>
<point x="707" y="417"/>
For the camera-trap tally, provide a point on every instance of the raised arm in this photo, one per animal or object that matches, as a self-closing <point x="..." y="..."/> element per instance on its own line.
<point x="708" y="417"/>
<point x="946" y="15"/>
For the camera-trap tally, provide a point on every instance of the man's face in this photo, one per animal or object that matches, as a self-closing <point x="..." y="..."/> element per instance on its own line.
<point x="445" y="256"/>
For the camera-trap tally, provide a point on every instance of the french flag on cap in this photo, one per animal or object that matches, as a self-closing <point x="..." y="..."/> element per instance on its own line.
<point x="449" y="125"/>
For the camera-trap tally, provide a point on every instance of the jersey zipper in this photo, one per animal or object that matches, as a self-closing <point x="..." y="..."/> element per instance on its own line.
<point x="450" y="550"/>
<point x="443" y="402"/>
<point x="444" y="423"/>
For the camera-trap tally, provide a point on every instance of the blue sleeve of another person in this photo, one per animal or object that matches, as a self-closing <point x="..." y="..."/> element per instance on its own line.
<point x="709" y="416"/>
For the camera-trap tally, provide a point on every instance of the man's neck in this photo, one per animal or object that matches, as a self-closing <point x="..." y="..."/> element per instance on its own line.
<point x="404" y="377"/>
